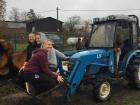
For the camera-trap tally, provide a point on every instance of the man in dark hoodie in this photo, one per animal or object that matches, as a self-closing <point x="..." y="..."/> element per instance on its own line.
<point x="79" y="45"/>
<point x="30" y="48"/>
<point x="37" y="73"/>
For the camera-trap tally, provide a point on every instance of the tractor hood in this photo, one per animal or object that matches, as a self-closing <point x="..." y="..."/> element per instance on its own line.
<point x="98" y="57"/>
<point x="89" y="53"/>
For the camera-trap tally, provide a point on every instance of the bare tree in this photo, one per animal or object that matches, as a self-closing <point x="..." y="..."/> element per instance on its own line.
<point x="23" y="16"/>
<point x="71" y="24"/>
<point x="75" y="26"/>
<point x="2" y="9"/>
<point x="14" y="14"/>
<point x="87" y="27"/>
<point x="31" y="15"/>
<point x="39" y="16"/>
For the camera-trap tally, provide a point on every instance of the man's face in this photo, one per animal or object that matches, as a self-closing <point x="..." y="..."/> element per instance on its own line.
<point x="48" y="45"/>
<point x="38" y="39"/>
<point x="31" y="38"/>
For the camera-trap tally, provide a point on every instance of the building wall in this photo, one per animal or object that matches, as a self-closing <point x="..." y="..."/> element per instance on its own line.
<point x="44" y="25"/>
<point x="7" y="28"/>
<point x="16" y="25"/>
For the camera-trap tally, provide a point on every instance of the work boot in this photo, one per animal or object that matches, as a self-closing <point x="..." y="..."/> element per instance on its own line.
<point x="30" y="89"/>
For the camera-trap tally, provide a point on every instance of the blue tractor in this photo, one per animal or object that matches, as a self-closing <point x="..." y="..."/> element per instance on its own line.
<point x="112" y="53"/>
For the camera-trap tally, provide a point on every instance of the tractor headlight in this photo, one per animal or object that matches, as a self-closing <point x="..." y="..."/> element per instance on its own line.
<point x="65" y="65"/>
<point x="71" y="64"/>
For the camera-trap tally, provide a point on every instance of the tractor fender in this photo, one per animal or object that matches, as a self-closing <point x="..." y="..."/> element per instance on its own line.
<point x="100" y="78"/>
<point x="103" y="77"/>
<point x="127" y="59"/>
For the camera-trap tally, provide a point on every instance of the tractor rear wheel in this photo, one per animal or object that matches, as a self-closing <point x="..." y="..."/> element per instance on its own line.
<point x="134" y="76"/>
<point x="102" y="91"/>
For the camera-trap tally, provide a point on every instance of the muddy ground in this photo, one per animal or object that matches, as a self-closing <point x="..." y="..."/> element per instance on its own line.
<point x="121" y="95"/>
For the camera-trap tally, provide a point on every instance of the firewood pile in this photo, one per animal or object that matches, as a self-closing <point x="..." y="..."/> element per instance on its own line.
<point x="7" y="56"/>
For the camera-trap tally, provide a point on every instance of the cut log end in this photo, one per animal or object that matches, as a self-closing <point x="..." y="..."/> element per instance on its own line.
<point x="18" y="59"/>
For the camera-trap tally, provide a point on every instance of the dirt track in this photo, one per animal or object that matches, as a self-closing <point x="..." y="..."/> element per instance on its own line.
<point x="121" y="95"/>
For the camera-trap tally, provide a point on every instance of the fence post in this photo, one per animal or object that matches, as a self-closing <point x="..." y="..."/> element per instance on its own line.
<point x="15" y="41"/>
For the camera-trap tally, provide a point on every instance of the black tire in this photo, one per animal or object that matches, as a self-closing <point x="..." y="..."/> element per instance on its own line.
<point x="134" y="76"/>
<point x="102" y="91"/>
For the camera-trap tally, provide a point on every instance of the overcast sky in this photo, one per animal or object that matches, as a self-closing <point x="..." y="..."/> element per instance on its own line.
<point x="47" y="5"/>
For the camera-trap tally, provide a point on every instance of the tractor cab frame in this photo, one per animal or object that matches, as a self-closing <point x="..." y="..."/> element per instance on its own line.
<point x="116" y="32"/>
<point x="113" y="30"/>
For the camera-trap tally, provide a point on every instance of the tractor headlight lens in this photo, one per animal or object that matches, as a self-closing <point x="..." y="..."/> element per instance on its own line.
<point x="65" y="65"/>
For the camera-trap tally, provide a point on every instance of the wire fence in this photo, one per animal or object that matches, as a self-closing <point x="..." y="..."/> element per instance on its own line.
<point x="17" y="41"/>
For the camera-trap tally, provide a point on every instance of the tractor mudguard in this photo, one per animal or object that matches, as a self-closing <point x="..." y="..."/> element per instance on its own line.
<point x="127" y="59"/>
<point x="103" y="76"/>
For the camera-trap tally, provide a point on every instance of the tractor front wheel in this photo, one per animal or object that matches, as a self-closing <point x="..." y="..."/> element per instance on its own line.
<point x="102" y="91"/>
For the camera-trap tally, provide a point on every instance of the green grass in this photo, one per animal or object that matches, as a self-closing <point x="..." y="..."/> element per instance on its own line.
<point x="11" y="94"/>
<point x="128" y="100"/>
<point x="20" y="47"/>
<point x="7" y="87"/>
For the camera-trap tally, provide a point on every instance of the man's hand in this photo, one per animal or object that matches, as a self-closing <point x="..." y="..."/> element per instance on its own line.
<point x="22" y="68"/>
<point x="66" y="59"/>
<point x="60" y="79"/>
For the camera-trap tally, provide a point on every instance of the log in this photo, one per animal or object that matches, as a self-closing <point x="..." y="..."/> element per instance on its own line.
<point x="5" y="47"/>
<point x="4" y="71"/>
<point x="18" y="59"/>
<point x="3" y="60"/>
<point x="5" y="53"/>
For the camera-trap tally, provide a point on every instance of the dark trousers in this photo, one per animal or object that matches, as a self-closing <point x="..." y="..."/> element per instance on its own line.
<point x="21" y="81"/>
<point x="40" y="81"/>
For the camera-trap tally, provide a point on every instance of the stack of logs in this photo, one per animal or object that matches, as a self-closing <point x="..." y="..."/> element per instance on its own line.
<point x="8" y="58"/>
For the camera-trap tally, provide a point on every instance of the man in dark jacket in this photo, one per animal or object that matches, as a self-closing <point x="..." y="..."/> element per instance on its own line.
<point x="30" y="48"/>
<point x="37" y="73"/>
<point x="79" y="44"/>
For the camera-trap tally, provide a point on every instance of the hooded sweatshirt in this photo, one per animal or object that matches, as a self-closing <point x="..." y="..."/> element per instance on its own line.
<point x="39" y="63"/>
<point x="30" y="48"/>
<point x="53" y="55"/>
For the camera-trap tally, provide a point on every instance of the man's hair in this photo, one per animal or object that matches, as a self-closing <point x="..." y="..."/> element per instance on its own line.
<point x="45" y="40"/>
<point x="37" y="33"/>
<point x="31" y="33"/>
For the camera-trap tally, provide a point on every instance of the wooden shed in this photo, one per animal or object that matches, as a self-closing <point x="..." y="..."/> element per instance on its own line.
<point x="48" y="24"/>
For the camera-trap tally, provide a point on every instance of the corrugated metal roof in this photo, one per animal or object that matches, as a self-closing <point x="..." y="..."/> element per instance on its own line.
<point x="47" y="18"/>
<point x="115" y="17"/>
<point x="16" y="25"/>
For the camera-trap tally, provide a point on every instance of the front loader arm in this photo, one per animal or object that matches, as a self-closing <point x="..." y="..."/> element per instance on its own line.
<point x="75" y="78"/>
<point x="80" y="61"/>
